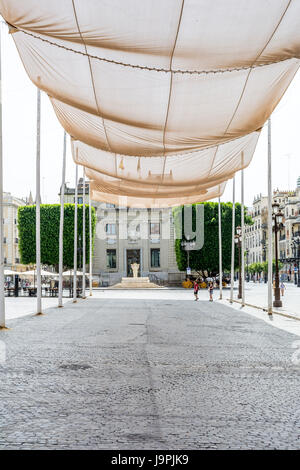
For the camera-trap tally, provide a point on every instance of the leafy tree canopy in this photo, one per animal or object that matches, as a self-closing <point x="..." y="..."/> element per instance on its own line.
<point x="50" y="216"/>
<point x="207" y="258"/>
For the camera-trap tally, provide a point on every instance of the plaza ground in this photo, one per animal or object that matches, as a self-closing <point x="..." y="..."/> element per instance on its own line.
<point x="255" y="293"/>
<point x="21" y="306"/>
<point x="156" y="371"/>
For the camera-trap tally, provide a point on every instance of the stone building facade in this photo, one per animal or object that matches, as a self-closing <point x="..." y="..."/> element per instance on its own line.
<point x="256" y="235"/>
<point x="125" y="236"/>
<point x="10" y="231"/>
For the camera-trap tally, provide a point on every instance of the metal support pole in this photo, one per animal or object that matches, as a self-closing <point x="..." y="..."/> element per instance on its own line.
<point x="220" y="250"/>
<point x="243" y="233"/>
<point x="232" y="240"/>
<point x="277" y="302"/>
<point x="298" y="282"/>
<point x="91" y="242"/>
<point x="2" y="299"/>
<point x="239" y="245"/>
<point x="75" y="237"/>
<point x="61" y="224"/>
<point x="38" y="206"/>
<point x="270" y="276"/>
<point x="83" y="238"/>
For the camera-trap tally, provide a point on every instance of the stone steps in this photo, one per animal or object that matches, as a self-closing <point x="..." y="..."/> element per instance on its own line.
<point x="135" y="283"/>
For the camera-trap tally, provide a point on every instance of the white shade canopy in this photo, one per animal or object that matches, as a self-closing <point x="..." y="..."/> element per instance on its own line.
<point x="160" y="98"/>
<point x="71" y="273"/>
<point x="32" y="272"/>
<point x="9" y="272"/>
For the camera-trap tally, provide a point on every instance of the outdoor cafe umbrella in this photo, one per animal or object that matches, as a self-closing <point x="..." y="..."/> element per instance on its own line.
<point x="33" y="273"/>
<point x="71" y="273"/>
<point x="9" y="272"/>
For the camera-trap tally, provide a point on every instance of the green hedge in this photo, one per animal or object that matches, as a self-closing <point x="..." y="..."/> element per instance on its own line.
<point x="50" y="216"/>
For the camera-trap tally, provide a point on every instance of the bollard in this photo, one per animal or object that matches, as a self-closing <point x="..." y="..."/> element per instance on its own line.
<point x="16" y="285"/>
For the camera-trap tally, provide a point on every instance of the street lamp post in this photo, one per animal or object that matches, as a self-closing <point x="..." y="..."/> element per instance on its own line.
<point x="264" y="247"/>
<point x="188" y="246"/>
<point x="238" y="240"/>
<point x="80" y="251"/>
<point x="296" y="244"/>
<point x="294" y="261"/>
<point x="277" y="217"/>
<point x="294" y="267"/>
<point x="247" y="259"/>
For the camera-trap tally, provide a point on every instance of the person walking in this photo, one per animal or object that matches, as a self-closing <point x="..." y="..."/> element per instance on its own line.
<point x="282" y="288"/>
<point x="211" y="291"/>
<point x="196" y="289"/>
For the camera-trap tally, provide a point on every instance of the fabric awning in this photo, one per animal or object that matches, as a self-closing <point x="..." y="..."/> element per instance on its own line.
<point x="163" y="94"/>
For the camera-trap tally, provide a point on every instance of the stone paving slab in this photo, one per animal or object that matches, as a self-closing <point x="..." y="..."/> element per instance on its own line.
<point x="147" y="374"/>
<point x="21" y="306"/>
<point x="257" y="293"/>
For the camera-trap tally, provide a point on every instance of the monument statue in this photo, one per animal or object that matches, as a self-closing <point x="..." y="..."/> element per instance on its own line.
<point x="135" y="269"/>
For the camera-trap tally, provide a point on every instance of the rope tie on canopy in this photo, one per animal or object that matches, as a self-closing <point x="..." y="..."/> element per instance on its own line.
<point x="121" y="164"/>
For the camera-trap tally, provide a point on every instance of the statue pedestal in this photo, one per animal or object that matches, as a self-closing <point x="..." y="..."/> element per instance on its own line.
<point x="137" y="280"/>
<point x="136" y="283"/>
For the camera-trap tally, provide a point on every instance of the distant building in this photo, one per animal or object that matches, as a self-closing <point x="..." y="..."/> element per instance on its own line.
<point x="125" y="236"/>
<point x="256" y="235"/>
<point x="10" y="231"/>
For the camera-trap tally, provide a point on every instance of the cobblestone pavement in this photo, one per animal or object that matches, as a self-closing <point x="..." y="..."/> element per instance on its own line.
<point x="255" y="293"/>
<point x="147" y="374"/>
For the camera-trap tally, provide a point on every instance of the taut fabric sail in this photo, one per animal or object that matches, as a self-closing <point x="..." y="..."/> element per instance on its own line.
<point x="164" y="95"/>
<point x="99" y="194"/>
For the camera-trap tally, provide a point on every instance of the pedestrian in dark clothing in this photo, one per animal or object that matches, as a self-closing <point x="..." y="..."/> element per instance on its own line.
<point x="196" y="289"/>
<point x="211" y="291"/>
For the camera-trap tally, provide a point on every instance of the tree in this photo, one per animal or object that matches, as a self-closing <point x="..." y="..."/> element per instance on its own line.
<point x="208" y="257"/>
<point x="265" y="266"/>
<point x="50" y="215"/>
<point x="252" y="269"/>
<point x="256" y="268"/>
